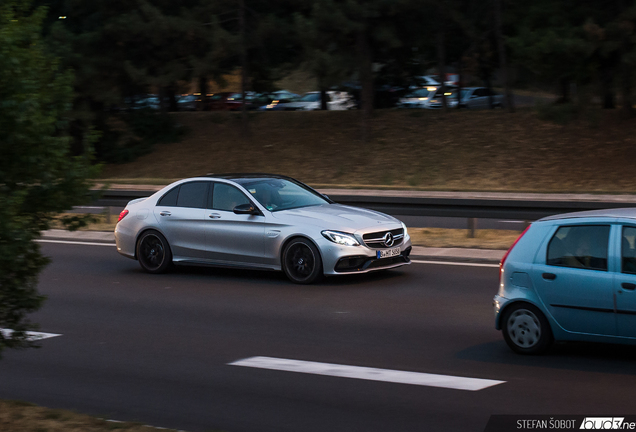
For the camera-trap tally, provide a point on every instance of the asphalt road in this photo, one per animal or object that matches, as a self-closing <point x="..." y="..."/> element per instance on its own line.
<point x="156" y="349"/>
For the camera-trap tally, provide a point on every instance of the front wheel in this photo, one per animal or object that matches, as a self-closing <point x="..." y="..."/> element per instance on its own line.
<point x="525" y="329"/>
<point x="301" y="262"/>
<point x="153" y="252"/>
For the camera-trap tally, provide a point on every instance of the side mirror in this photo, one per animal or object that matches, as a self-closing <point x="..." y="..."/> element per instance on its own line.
<point x="325" y="195"/>
<point x="246" y="209"/>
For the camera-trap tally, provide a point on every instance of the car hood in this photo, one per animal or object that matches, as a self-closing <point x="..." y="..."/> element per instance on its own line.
<point x="337" y="217"/>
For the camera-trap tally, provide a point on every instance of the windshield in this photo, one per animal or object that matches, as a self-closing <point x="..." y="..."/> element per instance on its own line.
<point x="310" y="97"/>
<point x="466" y="94"/>
<point x="279" y="194"/>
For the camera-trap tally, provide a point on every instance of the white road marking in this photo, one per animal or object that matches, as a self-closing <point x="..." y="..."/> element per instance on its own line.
<point x="33" y="336"/>
<point x="366" y="373"/>
<point x="469" y="264"/>
<point x="148" y="426"/>
<point x="76" y="242"/>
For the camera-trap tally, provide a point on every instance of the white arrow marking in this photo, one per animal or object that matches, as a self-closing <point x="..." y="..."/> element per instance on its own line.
<point x="366" y="373"/>
<point x="32" y="336"/>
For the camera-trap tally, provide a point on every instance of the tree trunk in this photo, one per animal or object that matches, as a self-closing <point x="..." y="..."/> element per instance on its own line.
<point x="245" y="132"/>
<point x="626" y="91"/>
<point x="459" y="83"/>
<point x="203" y="89"/>
<point x="565" y="91"/>
<point x="503" y="64"/>
<point x="441" y="58"/>
<point x="366" y="82"/>
<point x="606" y="87"/>
<point x="172" y="99"/>
<point x="323" y="93"/>
<point x="488" y="86"/>
<point x="163" y="106"/>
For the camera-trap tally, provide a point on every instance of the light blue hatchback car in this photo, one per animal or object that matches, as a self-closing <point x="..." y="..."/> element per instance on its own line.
<point x="570" y="277"/>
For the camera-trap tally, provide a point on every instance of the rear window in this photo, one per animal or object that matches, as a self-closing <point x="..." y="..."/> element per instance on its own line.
<point x="169" y="199"/>
<point x="582" y="246"/>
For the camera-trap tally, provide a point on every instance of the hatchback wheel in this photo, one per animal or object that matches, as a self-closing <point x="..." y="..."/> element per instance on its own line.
<point x="526" y="330"/>
<point x="301" y="261"/>
<point x="153" y="252"/>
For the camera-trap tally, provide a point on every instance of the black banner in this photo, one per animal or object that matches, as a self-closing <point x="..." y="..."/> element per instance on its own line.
<point x="509" y="423"/>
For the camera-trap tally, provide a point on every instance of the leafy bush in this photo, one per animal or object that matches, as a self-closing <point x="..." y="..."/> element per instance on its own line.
<point x="140" y="131"/>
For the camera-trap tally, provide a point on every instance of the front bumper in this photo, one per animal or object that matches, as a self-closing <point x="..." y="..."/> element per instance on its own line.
<point x="338" y="260"/>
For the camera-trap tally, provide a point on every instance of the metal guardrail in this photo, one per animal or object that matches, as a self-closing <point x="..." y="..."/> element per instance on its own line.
<point x="416" y="206"/>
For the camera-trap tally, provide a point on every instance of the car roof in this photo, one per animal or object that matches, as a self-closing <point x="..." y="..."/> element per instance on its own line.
<point x="627" y="213"/>
<point x="235" y="176"/>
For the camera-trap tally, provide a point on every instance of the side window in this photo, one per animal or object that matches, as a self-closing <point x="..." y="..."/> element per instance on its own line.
<point x="193" y="195"/>
<point x="169" y="199"/>
<point x="226" y="197"/>
<point x="583" y="246"/>
<point x="628" y="250"/>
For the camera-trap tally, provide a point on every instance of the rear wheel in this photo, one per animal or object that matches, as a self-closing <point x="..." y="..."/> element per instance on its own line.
<point x="153" y="252"/>
<point x="301" y="262"/>
<point x="526" y="330"/>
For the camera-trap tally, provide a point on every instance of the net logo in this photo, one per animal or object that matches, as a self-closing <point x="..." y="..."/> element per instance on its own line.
<point x="604" y="423"/>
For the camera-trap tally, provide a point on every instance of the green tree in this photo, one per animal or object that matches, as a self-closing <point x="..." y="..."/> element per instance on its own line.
<point x="38" y="177"/>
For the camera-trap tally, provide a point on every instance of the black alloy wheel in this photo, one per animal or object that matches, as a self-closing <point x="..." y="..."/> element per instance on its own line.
<point x="301" y="261"/>
<point x="153" y="252"/>
<point x="525" y="329"/>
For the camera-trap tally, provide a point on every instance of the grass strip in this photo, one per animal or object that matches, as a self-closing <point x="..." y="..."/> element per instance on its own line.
<point x="20" y="416"/>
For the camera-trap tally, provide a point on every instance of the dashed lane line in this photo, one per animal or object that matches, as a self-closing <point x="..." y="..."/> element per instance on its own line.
<point x="456" y="263"/>
<point x="75" y="242"/>
<point x="32" y="336"/>
<point x="367" y="373"/>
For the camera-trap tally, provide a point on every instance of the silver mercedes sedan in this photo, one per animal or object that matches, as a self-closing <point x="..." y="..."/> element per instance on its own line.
<point x="258" y="221"/>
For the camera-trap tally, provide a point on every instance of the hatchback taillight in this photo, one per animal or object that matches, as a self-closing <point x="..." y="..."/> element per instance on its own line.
<point x="122" y="215"/>
<point x="503" y="260"/>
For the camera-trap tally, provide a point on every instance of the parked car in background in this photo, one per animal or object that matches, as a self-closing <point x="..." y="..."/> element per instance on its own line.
<point x="310" y="101"/>
<point x="187" y="102"/>
<point x="417" y="98"/>
<point x="436" y="101"/>
<point x="258" y="221"/>
<point x="223" y="101"/>
<point x="479" y="98"/>
<point x="570" y="277"/>
<point x="285" y="95"/>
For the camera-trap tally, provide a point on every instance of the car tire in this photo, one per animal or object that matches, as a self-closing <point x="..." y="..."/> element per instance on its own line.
<point x="301" y="261"/>
<point x="153" y="252"/>
<point x="526" y="329"/>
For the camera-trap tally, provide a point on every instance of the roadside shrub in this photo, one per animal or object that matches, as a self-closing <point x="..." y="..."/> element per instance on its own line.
<point x="558" y="113"/>
<point x="134" y="134"/>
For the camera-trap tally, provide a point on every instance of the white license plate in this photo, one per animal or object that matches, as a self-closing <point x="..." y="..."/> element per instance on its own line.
<point x="387" y="253"/>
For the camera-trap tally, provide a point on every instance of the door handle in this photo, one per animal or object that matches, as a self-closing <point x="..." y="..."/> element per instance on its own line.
<point x="214" y="216"/>
<point x="549" y="276"/>
<point x="628" y="286"/>
<point x="165" y="213"/>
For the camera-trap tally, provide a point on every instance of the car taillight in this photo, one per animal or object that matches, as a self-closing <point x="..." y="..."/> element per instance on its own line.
<point x="503" y="260"/>
<point x="122" y="215"/>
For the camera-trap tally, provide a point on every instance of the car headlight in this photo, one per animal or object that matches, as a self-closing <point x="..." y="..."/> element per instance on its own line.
<point x="341" y="238"/>
<point x="405" y="230"/>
